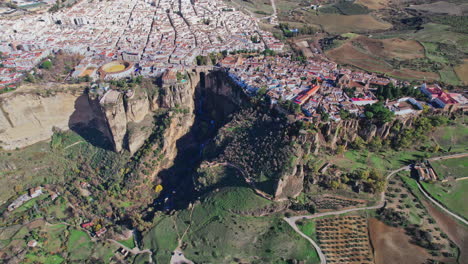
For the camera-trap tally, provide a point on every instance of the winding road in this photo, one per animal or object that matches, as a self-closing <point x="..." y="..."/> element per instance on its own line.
<point x="134" y="251"/>
<point x="292" y="220"/>
<point x="459" y="218"/>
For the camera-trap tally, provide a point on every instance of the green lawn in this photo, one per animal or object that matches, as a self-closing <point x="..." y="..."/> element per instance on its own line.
<point x="453" y="138"/>
<point x="55" y="237"/>
<point x="449" y="76"/>
<point x="79" y="245"/>
<point x="307" y="227"/>
<point x="130" y="243"/>
<point x="456" y="168"/>
<point x="221" y="233"/>
<point x="45" y="259"/>
<point x="452" y="195"/>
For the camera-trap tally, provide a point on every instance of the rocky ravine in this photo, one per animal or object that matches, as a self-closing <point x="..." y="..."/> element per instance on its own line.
<point x="28" y="116"/>
<point x="126" y="120"/>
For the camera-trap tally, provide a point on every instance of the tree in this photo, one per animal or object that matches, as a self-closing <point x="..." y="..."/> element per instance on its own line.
<point x="340" y="149"/>
<point x="344" y="114"/>
<point x="47" y="65"/>
<point x="202" y="60"/>
<point x="29" y="78"/>
<point x="358" y="143"/>
<point x="334" y="185"/>
<point x="378" y="113"/>
<point x="375" y="144"/>
<point x="261" y="91"/>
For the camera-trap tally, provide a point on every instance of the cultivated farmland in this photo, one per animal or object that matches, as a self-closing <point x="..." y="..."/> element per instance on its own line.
<point x="462" y="71"/>
<point x="329" y="202"/>
<point x="377" y="55"/>
<point x="335" y="23"/>
<point x="344" y="239"/>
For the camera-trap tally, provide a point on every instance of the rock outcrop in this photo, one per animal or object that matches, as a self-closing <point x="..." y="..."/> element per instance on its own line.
<point x="28" y="118"/>
<point x="126" y="120"/>
<point x="113" y="108"/>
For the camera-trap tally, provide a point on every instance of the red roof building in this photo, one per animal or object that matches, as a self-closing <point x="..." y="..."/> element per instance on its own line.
<point x="302" y="98"/>
<point x="86" y="225"/>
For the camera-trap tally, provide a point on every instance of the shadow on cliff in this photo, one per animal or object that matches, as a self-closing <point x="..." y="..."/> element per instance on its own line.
<point x="212" y="111"/>
<point x="88" y="121"/>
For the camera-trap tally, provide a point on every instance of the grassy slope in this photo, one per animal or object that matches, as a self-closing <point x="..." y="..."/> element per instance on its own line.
<point x="308" y="227"/>
<point x="447" y="74"/>
<point x="432" y="33"/>
<point x="218" y="235"/>
<point x="454" y="137"/>
<point x="40" y="164"/>
<point x="130" y="243"/>
<point x="456" y="168"/>
<point x="452" y="195"/>
<point x="79" y="245"/>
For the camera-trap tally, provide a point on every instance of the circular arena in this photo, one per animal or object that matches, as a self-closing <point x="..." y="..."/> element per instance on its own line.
<point x="116" y="69"/>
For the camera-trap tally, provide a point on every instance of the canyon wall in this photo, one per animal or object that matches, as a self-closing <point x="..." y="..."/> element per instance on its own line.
<point x="28" y="118"/>
<point x="126" y="121"/>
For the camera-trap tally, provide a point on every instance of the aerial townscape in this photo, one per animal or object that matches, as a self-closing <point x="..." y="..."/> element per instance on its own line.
<point x="233" y="131"/>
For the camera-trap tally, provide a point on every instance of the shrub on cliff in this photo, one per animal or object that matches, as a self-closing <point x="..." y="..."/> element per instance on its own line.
<point x="260" y="143"/>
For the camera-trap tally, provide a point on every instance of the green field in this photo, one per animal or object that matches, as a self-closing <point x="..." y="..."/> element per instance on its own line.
<point x="219" y="232"/>
<point x="130" y="243"/>
<point x="308" y="227"/>
<point x="448" y="75"/>
<point x="436" y="54"/>
<point x="384" y="161"/>
<point x="431" y="32"/>
<point x="453" y="138"/>
<point x="79" y="245"/>
<point x="255" y="7"/>
<point x="452" y="195"/>
<point x="55" y="237"/>
<point x="47" y="259"/>
<point x="50" y="163"/>
<point x="456" y="168"/>
<point x="432" y="52"/>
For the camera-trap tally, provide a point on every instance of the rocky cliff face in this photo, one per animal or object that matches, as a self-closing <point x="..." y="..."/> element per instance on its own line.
<point x="28" y="118"/>
<point x="116" y="118"/>
<point x="344" y="132"/>
<point x="127" y="121"/>
<point x="290" y="185"/>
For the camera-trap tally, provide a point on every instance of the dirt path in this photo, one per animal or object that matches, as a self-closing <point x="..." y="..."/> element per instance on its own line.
<point x="177" y="255"/>
<point x="134" y="251"/>
<point x="274" y="17"/>
<point x="76" y="143"/>
<point x="459" y="218"/>
<point x="292" y="220"/>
